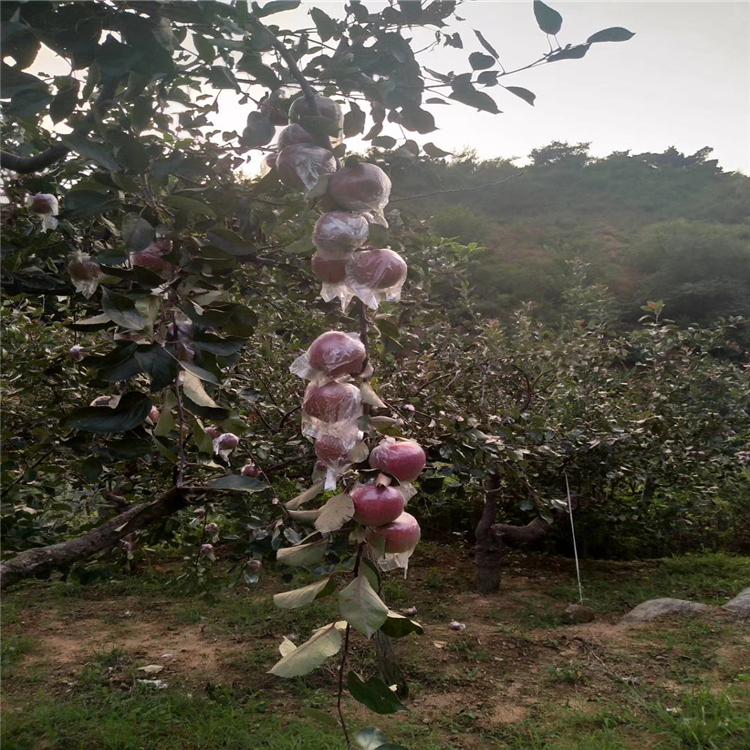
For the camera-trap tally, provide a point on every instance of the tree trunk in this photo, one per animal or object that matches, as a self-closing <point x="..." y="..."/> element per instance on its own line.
<point x="520" y="535"/>
<point x="489" y="550"/>
<point x="40" y="560"/>
<point x="388" y="666"/>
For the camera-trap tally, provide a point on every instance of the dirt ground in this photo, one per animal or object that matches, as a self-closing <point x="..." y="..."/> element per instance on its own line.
<point x="516" y="659"/>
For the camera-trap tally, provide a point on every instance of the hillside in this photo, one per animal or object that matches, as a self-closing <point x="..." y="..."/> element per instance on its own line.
<point x="650" y="226"/>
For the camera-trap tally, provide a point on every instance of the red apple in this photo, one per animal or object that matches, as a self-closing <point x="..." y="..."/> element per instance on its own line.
<point x="332" y="402"/>
<point x="101" y="401"/>
<point x="360" y="187"/>
<point x="377" y="504"/>
<point x="301" y="165"/>
<point x="213" y="431"/>
<point x="377" y="269"/>
<point x="401" y="535"/>
<point x="83" y="268"/>
<point x="227" y="441"/>
<point x="250" y="470"/>
<point x="335" y="353"/>
<point x="340" y="232"/>
<point x="292" y="134"/>
<point x="332" y="450"/>
<point x="44" y="203"/>
<point x="402" y="459"/>
<point x="151" y="256"/>
<point x="327" y="108"/>
<point x="154" y="415"/>
<point x="329" y="270"/>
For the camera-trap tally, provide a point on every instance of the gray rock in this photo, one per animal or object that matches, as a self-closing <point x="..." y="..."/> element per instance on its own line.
<point x="740" y="603"/>
<point x="653" y="608"/>
<point x="579" y="613"/>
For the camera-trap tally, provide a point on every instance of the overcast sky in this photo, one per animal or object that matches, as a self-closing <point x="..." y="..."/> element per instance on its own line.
<point x="683" y="80"/>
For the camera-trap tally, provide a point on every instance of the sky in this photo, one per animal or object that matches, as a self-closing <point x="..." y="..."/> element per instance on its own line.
<point x="683" y="80"/>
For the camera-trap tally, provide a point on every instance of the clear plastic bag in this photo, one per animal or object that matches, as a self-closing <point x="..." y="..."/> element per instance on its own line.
<point x="301" y="165"/>
<point x="338" y="453"/>
<point x="360" y="187"/>
<point x="332" y="355"/>
<point x="376" y="275"/>
<point x="332" y="408"/>
<point x="340" y="232"/>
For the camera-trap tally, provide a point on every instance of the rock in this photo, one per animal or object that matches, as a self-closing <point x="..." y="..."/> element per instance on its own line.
<point x="579" y="613"/>
<point x="740" y="603"/>
<point x="653" y="608"/>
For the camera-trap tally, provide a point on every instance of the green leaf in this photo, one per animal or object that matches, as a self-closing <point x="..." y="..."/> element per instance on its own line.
<point x="259" y="130"/>
<point x="122" y="310"/>
<point x="302" y="597"/>
<point x="303" y="555"/>
<point x="222" y="347"/>
<point x="417" y="120"/>
<point x="549" y="20"/>
<point x="91" y="468"/>
<point x="361" y="607"/>
<point x="90" y="150"/>
<point x="371" y="572"/>
<point x="166" y="421"/>
<point x="354" y="120"/>
<point x="137" y="233"/>
<point x="432" y="150"/>
<point x="132" y="410"/>
<point x="166" y="450"/>
<point x="486" y="44"/>
<point x="275" y="6"/>
<point x="64" y="103"/>
<point x="238" y="482"/>
<point x="325" y="25"/>
<point x="335" y="513"/>
<point x="226" y="240"/>
<point x="324" y="643"/>
<point x="569" y="53"/>
<point x="374" y="694"/>
<point x="370" y="738"/>
<point x="613" y="34"/>
<point x="524" y="94"/>
<point x="384" y="141"/>
<point x="204" y="375"/>
<point x="204" y="48"/>
<point x="397" y="626"/>
<point x="479" y="61"/>
<point x="159" y="364"/>
<point x="183" y="203"/>
<point x="132" y="154"/>
<point x="29" y="102"/>
<point x="194" y="390"/>
<point x="467" y="94"/>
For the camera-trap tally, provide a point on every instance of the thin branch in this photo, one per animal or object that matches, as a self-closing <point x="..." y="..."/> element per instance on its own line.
<point x="456" y="190"/>
<point x="307" y="89"/>
<point x="344" y="651"/>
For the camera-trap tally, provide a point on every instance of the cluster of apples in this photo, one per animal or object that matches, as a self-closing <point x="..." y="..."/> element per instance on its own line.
<point x="353" y="198"/>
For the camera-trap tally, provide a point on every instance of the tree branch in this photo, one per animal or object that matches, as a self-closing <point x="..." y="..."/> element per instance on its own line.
<point x="36" y="163"/>
<point x="40" y="560"/>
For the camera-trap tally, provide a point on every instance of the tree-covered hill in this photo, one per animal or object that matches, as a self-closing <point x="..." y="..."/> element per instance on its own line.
<point x="651" y="226"/>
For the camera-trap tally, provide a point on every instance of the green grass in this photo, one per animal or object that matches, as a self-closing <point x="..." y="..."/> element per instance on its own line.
<point x="12" y="649"/>
<point x="146" y="719"/>
<point x="711" y="579"/>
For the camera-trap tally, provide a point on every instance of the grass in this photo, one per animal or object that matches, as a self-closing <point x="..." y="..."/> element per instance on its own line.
<point x="711" y="579"/>
<point x="691" y="687"/>
<point x="146" y="719"/>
